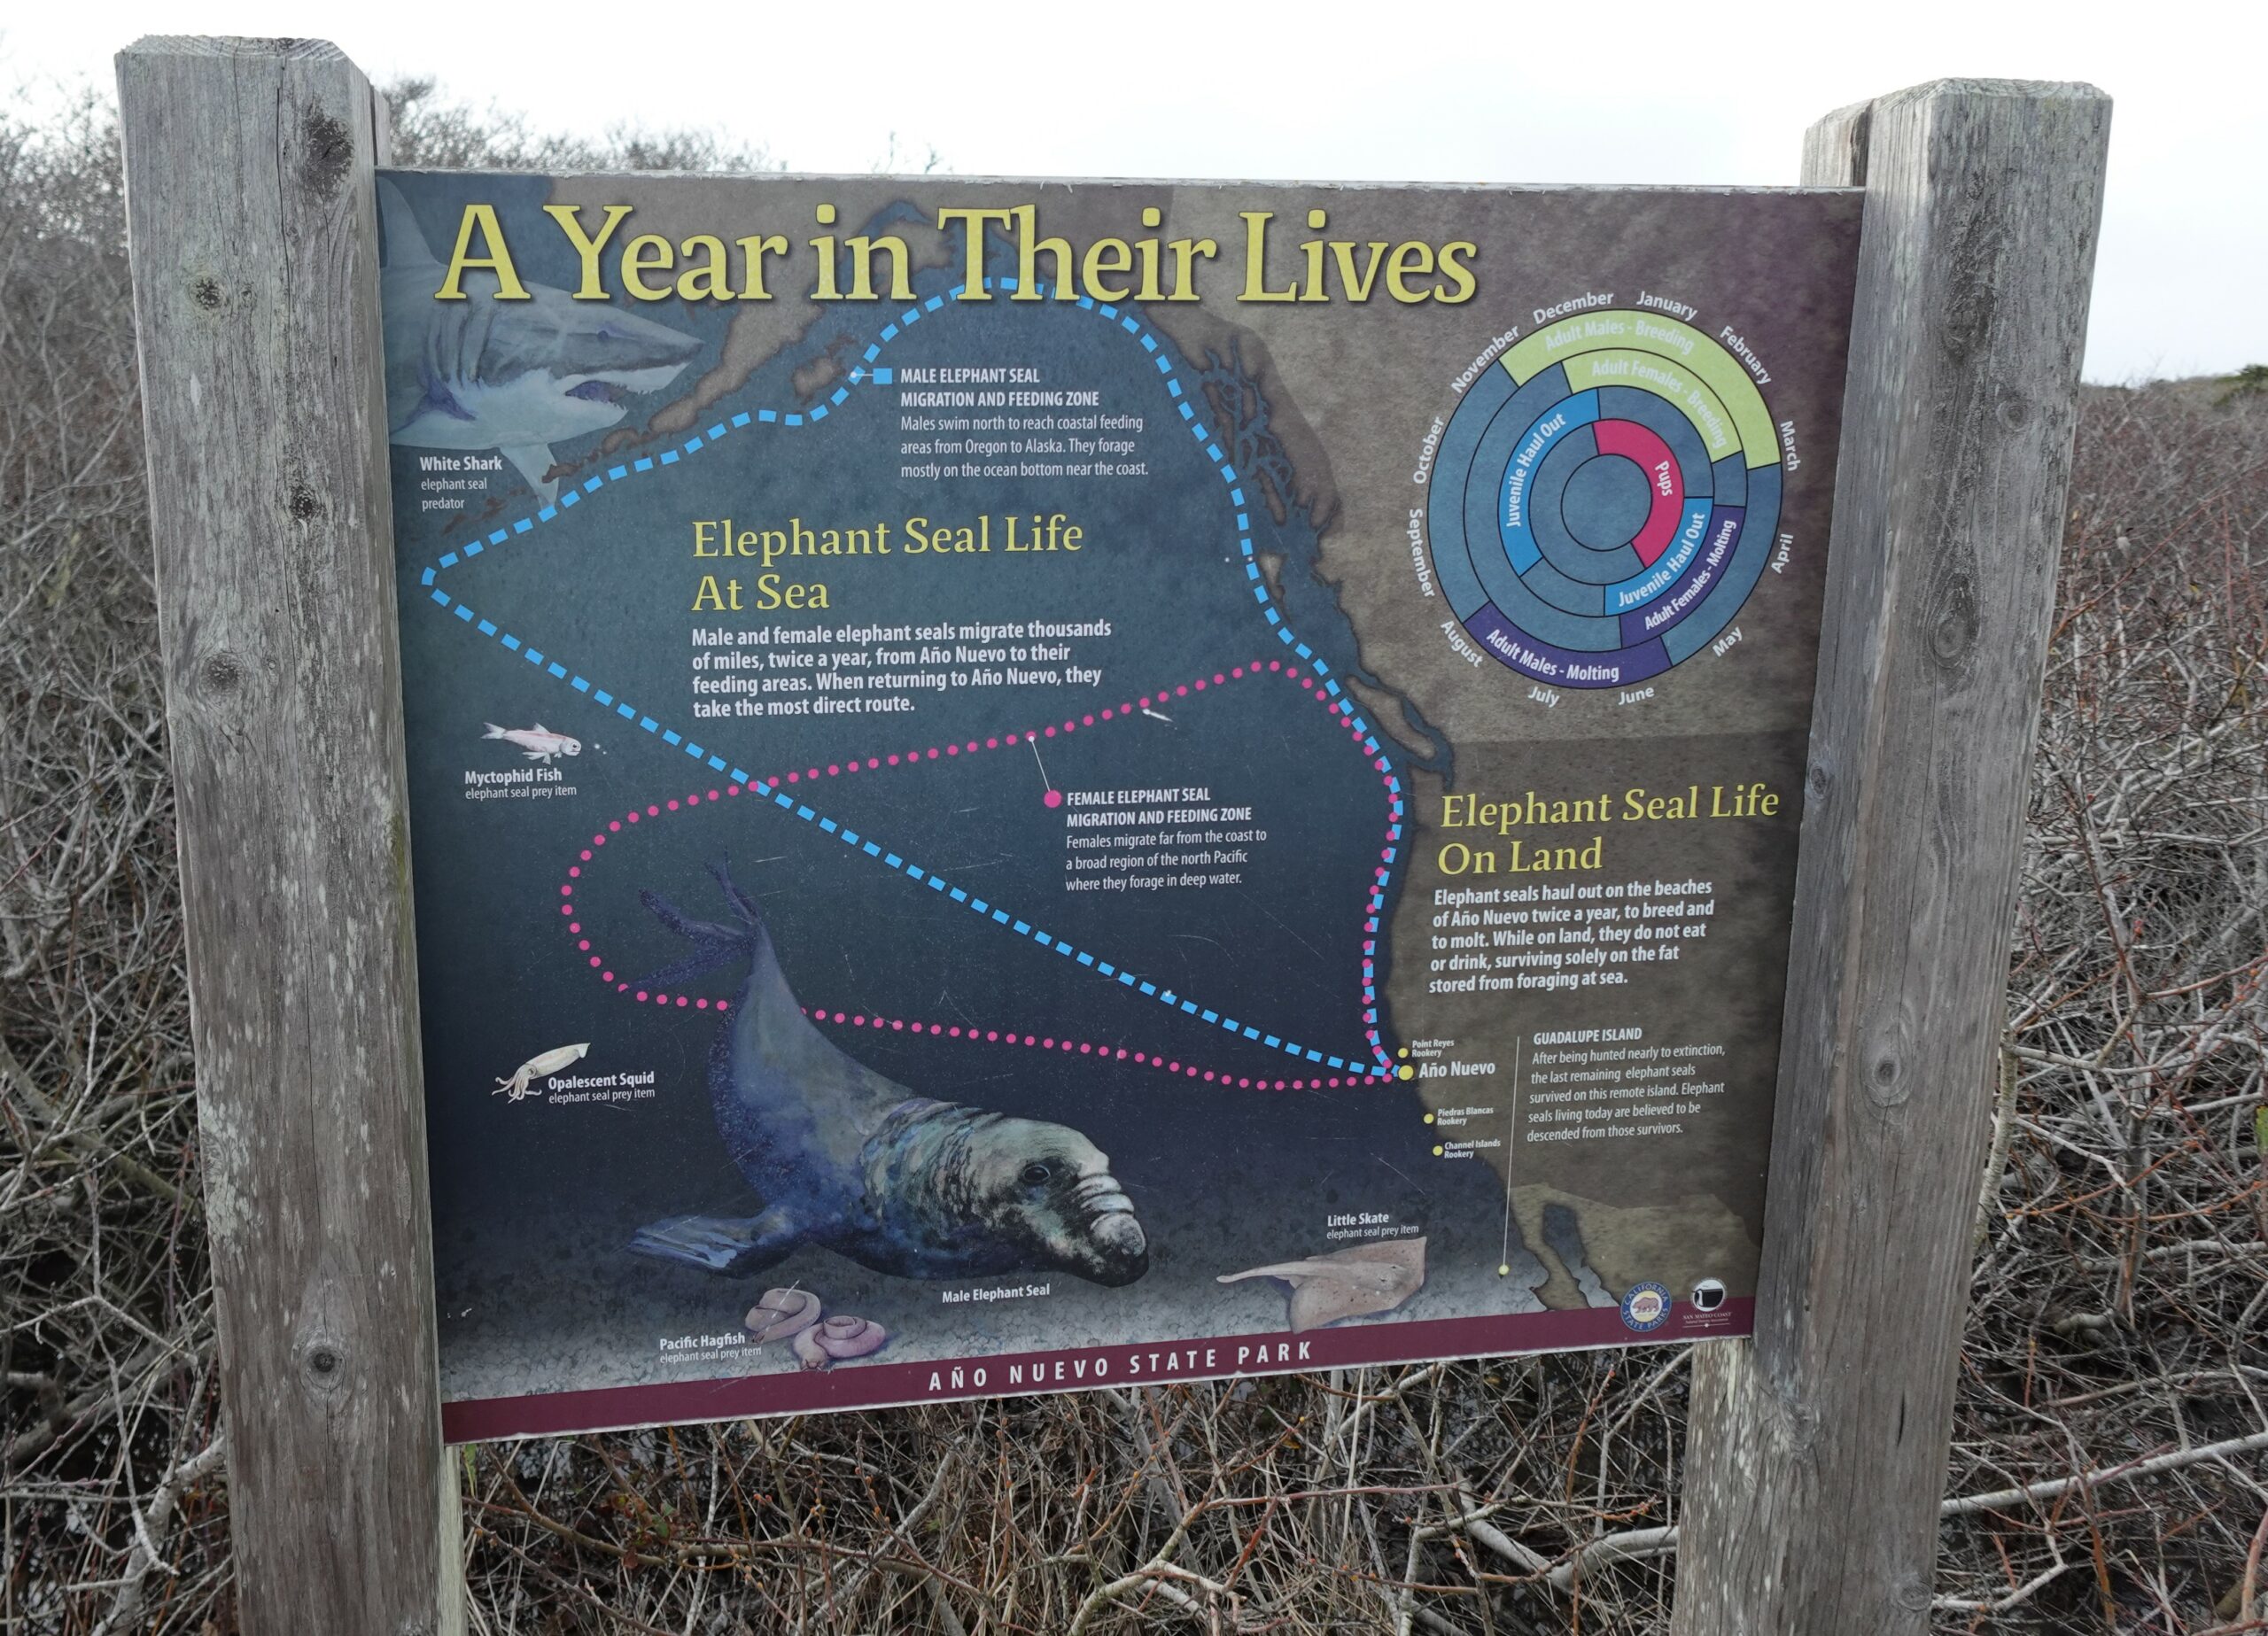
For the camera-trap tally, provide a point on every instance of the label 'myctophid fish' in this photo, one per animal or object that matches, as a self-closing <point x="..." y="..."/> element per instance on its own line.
<point x="847" y="1160"/>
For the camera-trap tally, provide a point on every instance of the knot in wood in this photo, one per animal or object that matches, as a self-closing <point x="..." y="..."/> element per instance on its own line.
<point x="322" y="1361"/>
<point x="1953" y="632"/>
<point x="1911" y="1594"/>
<point x="219" y="674"/>
<point x="2013" y="412"/>
<point x="304" y="503"/>
<point x="205" y="291"/>
<point x="329" y="152"/>
<point x="1818" y="781"/>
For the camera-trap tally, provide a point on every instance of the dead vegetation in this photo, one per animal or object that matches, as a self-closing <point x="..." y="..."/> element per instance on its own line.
<point x="2110" y="1464"/>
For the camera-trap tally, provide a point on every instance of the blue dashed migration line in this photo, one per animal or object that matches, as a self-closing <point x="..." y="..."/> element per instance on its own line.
<point x="869" y="374"/>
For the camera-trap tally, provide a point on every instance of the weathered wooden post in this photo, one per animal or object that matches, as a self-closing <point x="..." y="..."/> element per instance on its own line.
<point x="1819" y="1448"/>
<point x="254" y="243"/>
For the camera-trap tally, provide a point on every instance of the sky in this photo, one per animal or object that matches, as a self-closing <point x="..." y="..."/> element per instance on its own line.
<point x="1578" y="92"/>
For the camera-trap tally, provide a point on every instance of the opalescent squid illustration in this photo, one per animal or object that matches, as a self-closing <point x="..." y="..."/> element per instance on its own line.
<point x="523" y="1080"/>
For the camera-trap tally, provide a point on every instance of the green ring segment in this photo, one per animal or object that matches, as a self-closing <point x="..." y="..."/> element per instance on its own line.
<point x="1717" y="371"/>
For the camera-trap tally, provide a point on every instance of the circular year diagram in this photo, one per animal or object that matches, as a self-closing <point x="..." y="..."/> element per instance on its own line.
<point x="1604" y="499"/>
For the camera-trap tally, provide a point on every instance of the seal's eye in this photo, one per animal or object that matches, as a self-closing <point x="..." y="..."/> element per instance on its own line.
<point x="1035" y="1175"/>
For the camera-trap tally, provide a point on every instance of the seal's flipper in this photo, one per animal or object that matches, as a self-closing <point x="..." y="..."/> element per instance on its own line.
<point x="713" y="945"/>
<point x="743" y="905"/>
<point x="718" y="1243"/>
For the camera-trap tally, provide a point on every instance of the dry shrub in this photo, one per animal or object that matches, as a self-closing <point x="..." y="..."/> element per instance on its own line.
<point x="2120" y="1279"/>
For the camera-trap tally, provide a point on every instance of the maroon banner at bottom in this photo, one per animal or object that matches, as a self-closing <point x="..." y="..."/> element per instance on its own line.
<point x="890" y="1385"/>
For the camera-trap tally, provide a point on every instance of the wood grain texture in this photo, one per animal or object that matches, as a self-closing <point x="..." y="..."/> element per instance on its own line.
<point x="252" y="218"/>
<point x="1835" y="149"/>
<point x="1818" y="1450"/>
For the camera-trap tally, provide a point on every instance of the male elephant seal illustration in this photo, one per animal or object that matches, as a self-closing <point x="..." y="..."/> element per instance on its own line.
<point x="845" y="1159"/>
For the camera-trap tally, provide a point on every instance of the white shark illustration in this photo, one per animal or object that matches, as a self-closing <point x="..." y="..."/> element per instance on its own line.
<point x="511" y="376"/>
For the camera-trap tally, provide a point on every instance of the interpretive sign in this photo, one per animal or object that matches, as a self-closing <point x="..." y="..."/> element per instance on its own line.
<point x="1020" y="787"/>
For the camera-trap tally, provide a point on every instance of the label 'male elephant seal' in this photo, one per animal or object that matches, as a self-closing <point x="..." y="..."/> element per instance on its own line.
<point x="847" y="1160"/>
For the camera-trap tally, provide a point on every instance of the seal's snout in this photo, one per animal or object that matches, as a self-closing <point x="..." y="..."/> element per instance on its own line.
<point x="1122" y="1250"/>
<point x="1045" y="1193"/>
<point x="1099" y="1194"/>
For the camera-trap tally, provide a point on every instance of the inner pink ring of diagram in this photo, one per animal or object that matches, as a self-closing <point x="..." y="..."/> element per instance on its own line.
<point x="1640" y="446"/>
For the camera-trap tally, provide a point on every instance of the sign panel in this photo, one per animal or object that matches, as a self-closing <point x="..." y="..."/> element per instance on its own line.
<point x="1019" y="785"/>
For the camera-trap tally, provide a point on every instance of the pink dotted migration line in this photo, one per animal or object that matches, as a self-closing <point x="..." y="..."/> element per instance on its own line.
<point x="1342" y="712"/>
<point x="1084" y="1048"/>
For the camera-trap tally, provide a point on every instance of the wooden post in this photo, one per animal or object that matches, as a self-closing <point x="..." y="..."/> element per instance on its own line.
<point x="1818" y="1450"/>
<point x="253" y="231"/>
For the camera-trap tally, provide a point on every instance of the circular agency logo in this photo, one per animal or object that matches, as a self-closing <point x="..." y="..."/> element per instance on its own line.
<point x="1645" y="1306"/>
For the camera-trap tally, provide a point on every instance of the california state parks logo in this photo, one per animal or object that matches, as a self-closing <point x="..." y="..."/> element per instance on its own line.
<point x="1645" y="1306"/>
